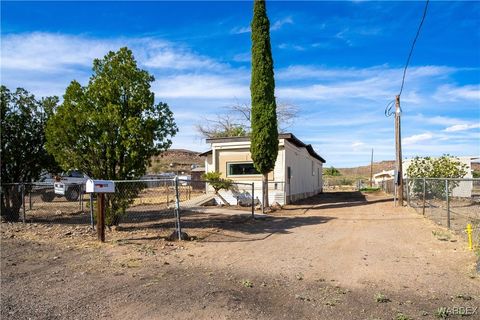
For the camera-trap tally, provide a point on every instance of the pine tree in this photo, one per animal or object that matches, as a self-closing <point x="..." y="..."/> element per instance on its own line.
<point x="264" y="136"/>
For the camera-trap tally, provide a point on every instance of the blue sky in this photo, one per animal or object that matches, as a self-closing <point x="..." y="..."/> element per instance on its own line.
<point x="339" y="63"/>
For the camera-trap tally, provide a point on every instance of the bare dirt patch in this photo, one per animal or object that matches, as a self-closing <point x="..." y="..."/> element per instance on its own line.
<point x="329" y="257"/>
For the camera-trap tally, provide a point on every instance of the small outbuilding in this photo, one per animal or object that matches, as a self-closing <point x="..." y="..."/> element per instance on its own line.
<point x="297" y="173"/>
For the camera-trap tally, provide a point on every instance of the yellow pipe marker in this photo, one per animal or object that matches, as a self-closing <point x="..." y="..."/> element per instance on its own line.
<point x="469" y="233"/>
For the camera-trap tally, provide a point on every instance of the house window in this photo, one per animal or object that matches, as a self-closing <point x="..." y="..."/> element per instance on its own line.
<point x="241" y="168"/>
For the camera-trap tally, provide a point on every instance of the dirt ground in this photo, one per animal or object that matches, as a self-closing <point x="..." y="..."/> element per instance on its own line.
<point x="339" y="255"/>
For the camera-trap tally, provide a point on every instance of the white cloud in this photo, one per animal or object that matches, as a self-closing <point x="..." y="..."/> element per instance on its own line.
<point x="243" y="57"/>
<point x="201" y="86"/>
<point x="290" y="46"/>
<point x="240" y="30"/>
<point x="47" y="52"/>
<point x="341" y="109"/>
<point x="417" y="138"/>
<point x="434" y="120"/>
<point x="453" y="93"/>
<point x="380" y="71"/>
<point x="280" y="23"/>
<point x="462" y="127"/>
<point x="169" y="58"/>
<point x="358" y="145"/>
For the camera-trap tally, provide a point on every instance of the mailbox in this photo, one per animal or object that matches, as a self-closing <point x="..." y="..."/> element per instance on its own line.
<point x="100" y="186"/>
<point x="59" y="188"/>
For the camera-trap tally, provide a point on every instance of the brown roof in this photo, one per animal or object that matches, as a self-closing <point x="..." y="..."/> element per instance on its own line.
<point x="287" y="136"/>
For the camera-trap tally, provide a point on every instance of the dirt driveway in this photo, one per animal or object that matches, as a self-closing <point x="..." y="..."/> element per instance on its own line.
<point x="335" y="256"/>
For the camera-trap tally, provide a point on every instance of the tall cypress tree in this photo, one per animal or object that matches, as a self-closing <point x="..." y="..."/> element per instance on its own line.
<point x="264" y="136"/>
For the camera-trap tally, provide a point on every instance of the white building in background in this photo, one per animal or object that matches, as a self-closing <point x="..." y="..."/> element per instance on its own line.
<point x="465" y="189"/>
<point x="297" y="173"/>
<point x="385" y="175"/>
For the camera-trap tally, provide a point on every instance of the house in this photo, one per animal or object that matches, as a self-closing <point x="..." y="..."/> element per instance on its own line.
<point x="379" y="178"/>
<point x="297" y="173"/>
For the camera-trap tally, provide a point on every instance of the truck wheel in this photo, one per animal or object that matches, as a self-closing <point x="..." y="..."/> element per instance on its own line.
<point x="48" y="196"/>
<point x="72" y="193"/>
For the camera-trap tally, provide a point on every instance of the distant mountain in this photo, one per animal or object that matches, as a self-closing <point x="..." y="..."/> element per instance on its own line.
<point x="176" y="160"/>
<point x="364" y="171"/>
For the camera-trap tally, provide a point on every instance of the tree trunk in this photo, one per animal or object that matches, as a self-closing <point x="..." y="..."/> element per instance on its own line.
<point x="265" y="190"/>
<point x="11" y="202"/>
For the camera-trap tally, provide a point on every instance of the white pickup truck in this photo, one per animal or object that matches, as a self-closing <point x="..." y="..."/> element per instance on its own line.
<point x="74" y="182"/>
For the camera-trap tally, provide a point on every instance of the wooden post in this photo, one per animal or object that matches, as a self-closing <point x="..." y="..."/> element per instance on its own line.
<point x="101" y="217"/>
<point x="398" y="148"/>
<point x="90" y="195"/>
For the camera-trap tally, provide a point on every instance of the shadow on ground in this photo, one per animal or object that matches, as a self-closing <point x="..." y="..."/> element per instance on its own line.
<point x="233" y="226"/>
<point x="332" y="200"/>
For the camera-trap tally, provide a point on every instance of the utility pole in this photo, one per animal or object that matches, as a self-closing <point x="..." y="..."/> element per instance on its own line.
<point x="398" y="149"/>
<point x="371" y="169"/>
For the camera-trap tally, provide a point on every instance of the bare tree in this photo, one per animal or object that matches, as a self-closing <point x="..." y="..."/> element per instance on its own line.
<point x="235" y="121"/>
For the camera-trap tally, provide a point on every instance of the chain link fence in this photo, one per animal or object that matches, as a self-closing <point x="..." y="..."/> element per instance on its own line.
<point x="453" y="203"/>
<point x="136" y="204"/>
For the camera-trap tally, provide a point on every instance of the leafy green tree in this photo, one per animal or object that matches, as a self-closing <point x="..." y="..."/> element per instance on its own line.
<point x="331" y="172"/>
<point x="23" y="156"/>
<point x="112" y="127"/>
<point x="264" y="135"/>
<point x="445" y="166"/>
<point x="218" y="183"/>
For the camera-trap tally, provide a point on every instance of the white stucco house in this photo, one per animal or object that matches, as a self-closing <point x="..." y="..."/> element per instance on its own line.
<point x="297" y="173"/>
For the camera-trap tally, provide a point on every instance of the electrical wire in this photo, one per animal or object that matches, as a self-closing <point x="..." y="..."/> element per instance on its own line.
<point x="413" y="45"/>
<point x="389" y="107"/>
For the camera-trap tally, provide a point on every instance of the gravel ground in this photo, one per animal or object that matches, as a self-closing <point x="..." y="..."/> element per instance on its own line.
<point x="341" y="255"/>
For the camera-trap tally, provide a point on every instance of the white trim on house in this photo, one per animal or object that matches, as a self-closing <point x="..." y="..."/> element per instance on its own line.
<point x="305" y="164"/>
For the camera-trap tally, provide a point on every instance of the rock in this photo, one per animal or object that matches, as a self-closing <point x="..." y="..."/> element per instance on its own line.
<point x="174" y="236"/>
<point x="276" y="206"/>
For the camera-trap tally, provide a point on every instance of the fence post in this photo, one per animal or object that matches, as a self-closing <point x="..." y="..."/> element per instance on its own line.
<point x="30" y="199"/>
<point x="177" y="210"/>
<point x="81" y="198"/>
<point x="253" y="200"/>
<point x="423" y="207"/>
<point x="448" y="203"/>
<point x="23" y="201"/>
<point x="168" y="192"/>
<point x="408" y="191"/>
<point x="91" y="211"/>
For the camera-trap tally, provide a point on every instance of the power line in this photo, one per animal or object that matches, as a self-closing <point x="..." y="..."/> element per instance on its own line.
<point x="413" y="45"/>
<point x="389" y="108"/>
